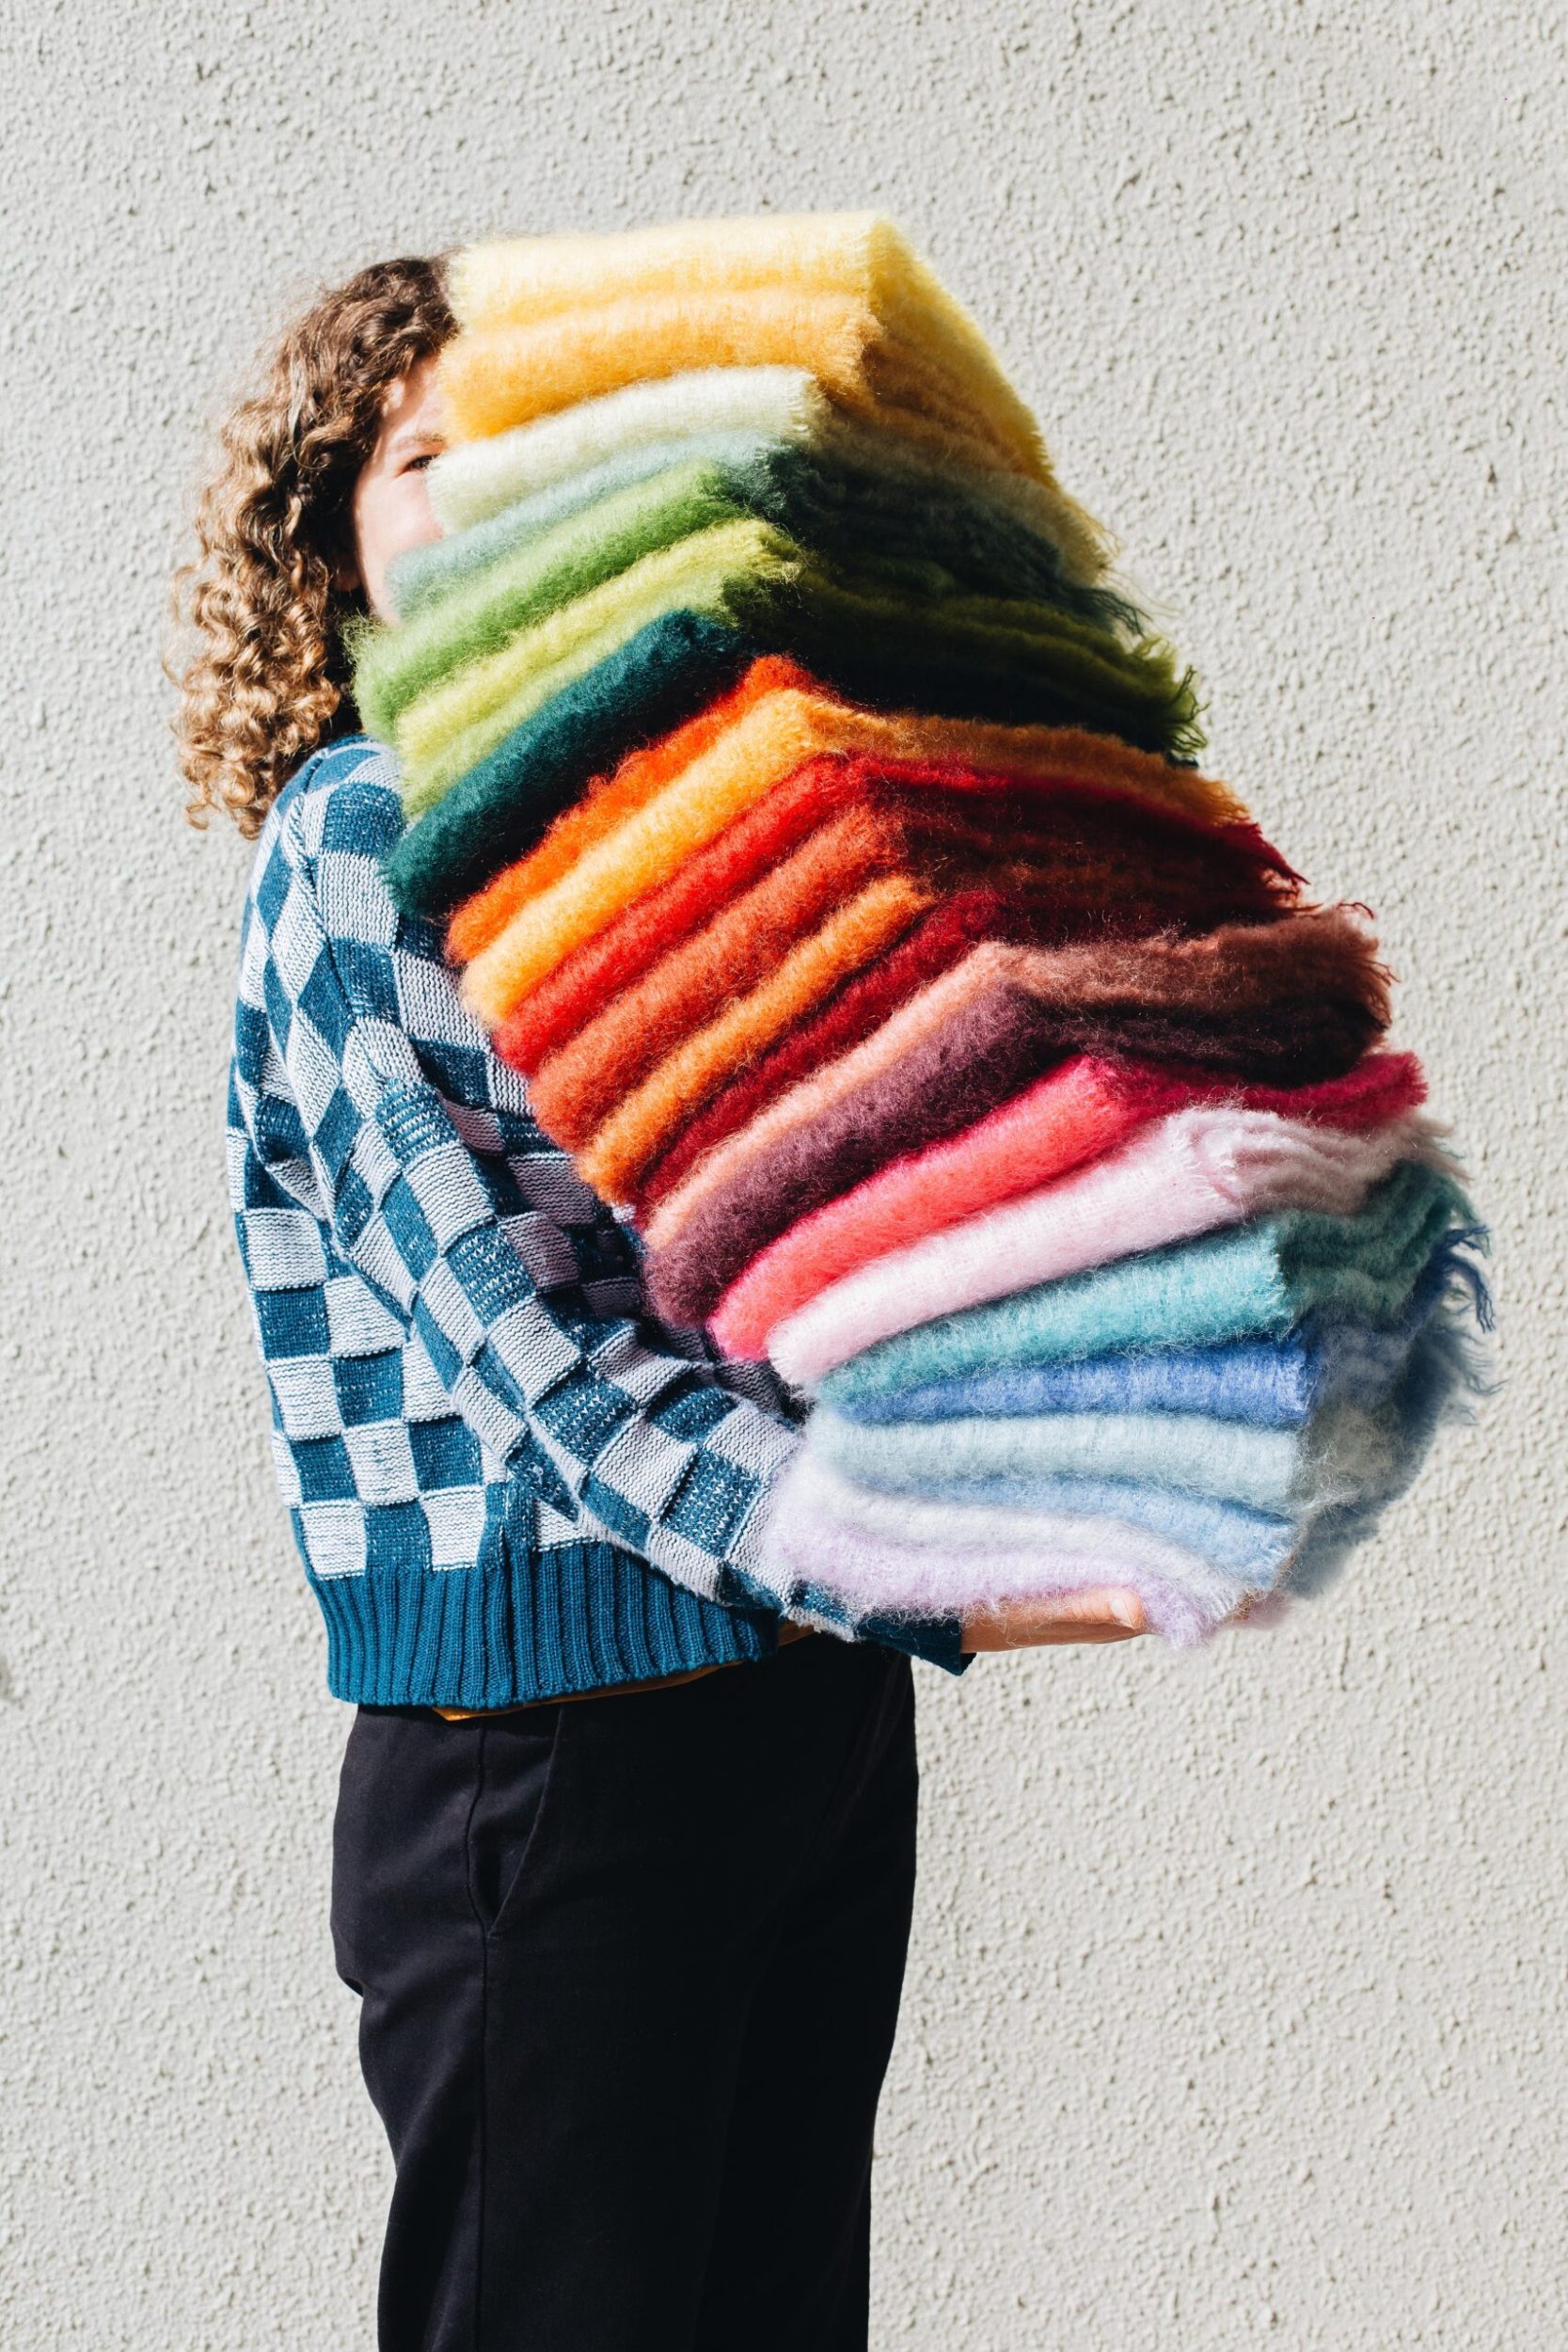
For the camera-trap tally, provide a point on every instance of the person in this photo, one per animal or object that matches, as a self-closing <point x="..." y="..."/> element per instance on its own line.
<point x="624" y="1845"/>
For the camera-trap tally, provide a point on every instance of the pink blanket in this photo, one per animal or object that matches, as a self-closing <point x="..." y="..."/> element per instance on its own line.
<point x="1187" y="1174"/>
<point x="1072" y="1115"/>
<point x="890" y="1555"/>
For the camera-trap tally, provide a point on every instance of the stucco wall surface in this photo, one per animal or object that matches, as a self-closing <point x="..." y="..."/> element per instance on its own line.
<point x="1235" y="2014"/>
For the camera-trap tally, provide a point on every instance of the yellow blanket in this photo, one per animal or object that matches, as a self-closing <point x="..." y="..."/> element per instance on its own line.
<point x="548" y="321"/>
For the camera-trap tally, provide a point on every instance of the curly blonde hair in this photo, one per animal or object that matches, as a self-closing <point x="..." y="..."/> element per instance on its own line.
<point x="266" y="680"/>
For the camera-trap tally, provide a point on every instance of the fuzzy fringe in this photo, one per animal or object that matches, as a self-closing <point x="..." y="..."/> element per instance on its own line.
<point x="1275" y="1383"/>
<point x="1343" y="1453"/>
<point x="869" y="630"/>
<point x="894" y="1557"/>
<point x="534" y="474"/>
<point x="1065" y="862"/>
<point x="843" y="295"/>
<point x="835" y="490"/>
<point x="772" y="725"/>
<point x="1080" y="861"/>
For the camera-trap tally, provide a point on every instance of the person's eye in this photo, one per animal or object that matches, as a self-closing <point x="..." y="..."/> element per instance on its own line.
<point x="421" y="457"/>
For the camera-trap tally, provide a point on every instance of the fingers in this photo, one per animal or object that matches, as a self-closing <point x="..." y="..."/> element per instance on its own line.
<point x="1106" y="1614"/>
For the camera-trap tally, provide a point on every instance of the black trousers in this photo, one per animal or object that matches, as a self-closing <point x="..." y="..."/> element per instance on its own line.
<point x="630" y="1970"/>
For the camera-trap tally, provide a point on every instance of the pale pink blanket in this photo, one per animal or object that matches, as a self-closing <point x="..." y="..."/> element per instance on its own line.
<point x="1185" y="1174"/>
<point x="890" y="1554"/>
<point x="1072" y="1116"/>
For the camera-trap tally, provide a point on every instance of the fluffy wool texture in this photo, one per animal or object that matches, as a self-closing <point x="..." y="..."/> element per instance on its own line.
<point x="1252" y="1281"/>
<point x="1071" y="1118"/>
<point x="518" y="281"/>
<point x="1276" y="1384"/>
<point x="1251" y="1547"/>
<point x="1445" y="1370"/>
<point x="529" y="924"/>
<point x="441" y="735"/>
<point x="893" y="1554"/>
<point x="653" y="926"/>
<point x="819" y="806"/>
<point x="550" y="321"/>
<point x="1187" y="1174"/>
<point x="655" y="682"/>
<point x="775" y="721"/>
<point x="640" y="1124"/>
<point x="623" y="1035"/>
<point x="990" y="1538"/>
<point x="552" y="466"/>
<point x="937" y="941"/>
<point x="1254" y="1000"/>
<point x="1081" y="862"/>
<point x="483" y="614"/>
<point x="605" y="798"/>
<point x="838" y="492"/>
<point x="1288" y="1472"/>
<point x="1234" y="987"/>
<point x="639" y="426"/>
<point x="885" y="638"/>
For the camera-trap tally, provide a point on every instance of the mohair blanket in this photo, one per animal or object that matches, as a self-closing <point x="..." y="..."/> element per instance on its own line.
<point x="936" y="943"/>
<point x="1190" y="1172"/>
<point x="638" y="1122"/>
<point x="1084" y="863"/>
<point x="843" y="491"/>
<point x="614" y="963"/>
<point x="1252" y="1281"/>
<point x="1250" y="1548"/>
<point x="1291" y="1474"/>
<point x="552" y="466"/>
<point x="994" y="1538"/>
<point x="909" y="1557"/>
<point x="1286" y="1003"/>
<point x="1445" y="1372"/>
<point x="639" y="830"/>
<point x="548" y="321"/>
<point x="1072" y="1117"/>
<point x="1275" y="1383"/>
<point x="1086" y="860"/>
<point x="1012" y="659"/>
<point x="658" y="680"/>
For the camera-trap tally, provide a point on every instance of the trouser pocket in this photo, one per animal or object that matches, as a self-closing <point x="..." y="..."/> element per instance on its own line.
<point x="517" y="1776"/>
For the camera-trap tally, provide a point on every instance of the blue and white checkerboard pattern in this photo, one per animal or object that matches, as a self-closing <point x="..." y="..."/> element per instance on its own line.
<point x="445" y="1310"/>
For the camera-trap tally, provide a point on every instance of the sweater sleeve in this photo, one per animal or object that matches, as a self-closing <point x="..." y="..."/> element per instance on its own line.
<point x="658" y="1452"/>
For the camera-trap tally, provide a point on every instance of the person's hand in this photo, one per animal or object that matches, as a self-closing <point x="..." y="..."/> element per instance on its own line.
<point x="1110" y="1614"/>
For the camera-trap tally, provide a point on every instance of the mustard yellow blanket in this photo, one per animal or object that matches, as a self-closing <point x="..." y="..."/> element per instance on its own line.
<point x="549" y="321"/>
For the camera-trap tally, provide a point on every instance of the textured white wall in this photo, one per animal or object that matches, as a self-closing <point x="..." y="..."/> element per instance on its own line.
<point x="1235" y="2011"/>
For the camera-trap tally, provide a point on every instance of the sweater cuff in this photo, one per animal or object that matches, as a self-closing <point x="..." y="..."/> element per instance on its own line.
<point x="756" y="1579"/>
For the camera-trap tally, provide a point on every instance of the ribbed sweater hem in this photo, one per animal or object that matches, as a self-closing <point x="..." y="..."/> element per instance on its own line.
<point x="574" y="1617"/>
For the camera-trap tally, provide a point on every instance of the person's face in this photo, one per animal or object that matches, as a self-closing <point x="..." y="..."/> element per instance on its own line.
<point x="391" y="509"/>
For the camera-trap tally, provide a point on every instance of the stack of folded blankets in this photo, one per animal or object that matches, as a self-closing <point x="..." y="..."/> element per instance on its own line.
<point x="819" y="829"/>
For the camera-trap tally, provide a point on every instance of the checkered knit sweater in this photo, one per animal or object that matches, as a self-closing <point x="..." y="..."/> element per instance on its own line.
<point x="505" y="1478"/>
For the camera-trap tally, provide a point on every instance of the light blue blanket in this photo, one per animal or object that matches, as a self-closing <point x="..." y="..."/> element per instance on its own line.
<point x="1274" y="1384"/>
<point x="1253" y="1281"/>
